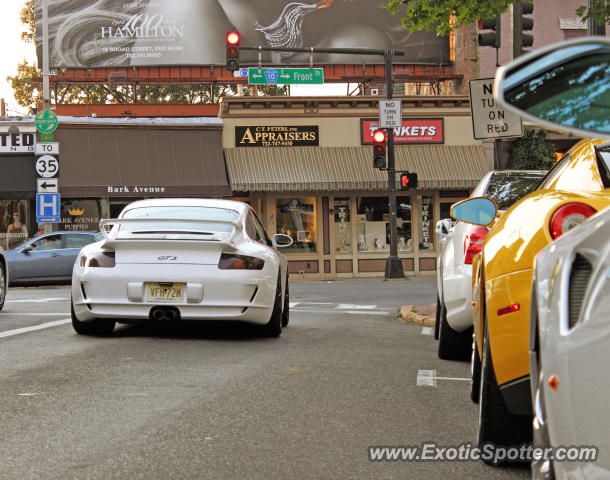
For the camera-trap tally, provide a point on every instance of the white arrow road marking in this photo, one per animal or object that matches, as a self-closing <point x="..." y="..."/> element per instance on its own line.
<point x="33" y="328"/>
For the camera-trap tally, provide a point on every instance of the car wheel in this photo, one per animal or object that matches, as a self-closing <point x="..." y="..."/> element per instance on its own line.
<point x="97" y="327"/>
<point x="273" y="328"/>
<point x="437" y="321"/>
<point x="475" y="370"/>
<point x="497" y="426"/>
<point x="286" y="310"/>
<point x="453" y="345"/>
<point x="3" y="286"/>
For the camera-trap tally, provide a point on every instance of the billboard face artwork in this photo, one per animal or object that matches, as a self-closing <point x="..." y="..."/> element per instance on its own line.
<point x="113" y="33"/>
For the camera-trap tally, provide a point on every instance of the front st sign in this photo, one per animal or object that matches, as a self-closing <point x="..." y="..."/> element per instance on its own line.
<point x="285" y="76"/>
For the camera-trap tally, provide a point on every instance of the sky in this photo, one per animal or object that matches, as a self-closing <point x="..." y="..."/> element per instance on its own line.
<point x="14" y="50"/>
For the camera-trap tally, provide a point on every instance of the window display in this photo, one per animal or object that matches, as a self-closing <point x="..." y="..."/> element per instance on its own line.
<point x="374" y="224"/>
<point x="343" y="225"/>
<point x="14" y="223"/>
<point x="296" y="217"/>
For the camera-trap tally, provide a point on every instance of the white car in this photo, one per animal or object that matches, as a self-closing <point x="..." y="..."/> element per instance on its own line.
<point x="189" y="259"/>
<point x="454" y="273"/>
<point x="570" y="348"/>
<point x="3" y="279"/>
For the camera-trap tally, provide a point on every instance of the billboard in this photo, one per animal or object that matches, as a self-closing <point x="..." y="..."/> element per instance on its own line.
<point x="121" y="33"/>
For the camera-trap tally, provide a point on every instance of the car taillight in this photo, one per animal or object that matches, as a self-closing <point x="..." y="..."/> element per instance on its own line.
<point x="230" y="261"/>
<point x="98" y="259"/>
<point x="569" y="216"/>
<point x="473" y="242"/>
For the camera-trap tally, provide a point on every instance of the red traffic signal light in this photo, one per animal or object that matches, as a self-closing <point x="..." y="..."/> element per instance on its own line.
<point x="232" y="51"/>
<point x="380" y="138"/>
<point x="408" y="180"/>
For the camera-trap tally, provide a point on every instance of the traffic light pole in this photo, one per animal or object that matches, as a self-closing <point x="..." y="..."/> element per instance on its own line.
<point x="393" y="267"/>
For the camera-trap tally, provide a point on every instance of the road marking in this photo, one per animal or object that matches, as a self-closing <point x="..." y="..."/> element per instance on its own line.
<point x="294" y="304"/>
<point x="426" y="331"/>
<point x="340" y="312"/>
<point x="366" y="307"/>
<point x="366" y="312"/>
<point x="42" y="314"/>
<point x="426" y="378"/>
<point x="33" y="328"/>
<point x="40" y="300"/>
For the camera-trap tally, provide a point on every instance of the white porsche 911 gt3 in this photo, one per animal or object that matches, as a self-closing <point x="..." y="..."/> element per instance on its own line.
<point x="189" y="259"/>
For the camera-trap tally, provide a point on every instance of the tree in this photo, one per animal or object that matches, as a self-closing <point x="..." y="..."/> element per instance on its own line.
<point x="532" y="151"/>
<point x="444" y="16"/>
<point x="28" y="91"/>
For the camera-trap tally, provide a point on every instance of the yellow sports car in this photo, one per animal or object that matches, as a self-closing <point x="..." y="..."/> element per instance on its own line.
<point x="574" y="189"/>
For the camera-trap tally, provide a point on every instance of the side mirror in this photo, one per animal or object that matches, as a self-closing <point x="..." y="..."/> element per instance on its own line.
<point x="280" y="240"/>
<point x="563" y="86"/>
<point x="99" y="236"/>
<point x="443" y="226"/>
<point x="477" y="210"/>
<point x="27" y="249"/>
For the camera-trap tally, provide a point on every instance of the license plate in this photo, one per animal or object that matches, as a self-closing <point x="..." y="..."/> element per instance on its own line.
<point x="161" y="292"/>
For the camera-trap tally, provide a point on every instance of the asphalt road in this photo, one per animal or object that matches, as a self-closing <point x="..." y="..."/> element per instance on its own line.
<point x="217" y="402"/>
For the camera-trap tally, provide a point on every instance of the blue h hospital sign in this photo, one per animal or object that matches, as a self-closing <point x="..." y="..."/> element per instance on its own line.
<point x="47" y="208"/>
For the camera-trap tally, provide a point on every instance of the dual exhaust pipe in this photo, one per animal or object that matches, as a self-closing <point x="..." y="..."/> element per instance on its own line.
<point x="165" y="313"/>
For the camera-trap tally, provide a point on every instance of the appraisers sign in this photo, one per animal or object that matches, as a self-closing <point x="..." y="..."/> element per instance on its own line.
<point x="489" y="120"/>
<point x="277" y="136"/>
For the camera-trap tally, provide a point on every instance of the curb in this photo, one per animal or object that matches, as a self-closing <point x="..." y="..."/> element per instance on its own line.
<point x="409" y="314"/>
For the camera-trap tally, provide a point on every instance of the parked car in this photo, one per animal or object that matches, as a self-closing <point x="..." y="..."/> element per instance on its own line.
<point x="190" y="259"/>
<point x="454" y="273"/>
<point x="570" y="347"/>
<point x="565" y="86"/>
<point x="46" y="258"/>
<point x="3" y="279"/>
<point x="573" y="190"/>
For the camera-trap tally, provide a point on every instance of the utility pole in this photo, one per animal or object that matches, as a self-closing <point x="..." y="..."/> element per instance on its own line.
<point x="393" y="268"/>
<point x="46" y="91"/>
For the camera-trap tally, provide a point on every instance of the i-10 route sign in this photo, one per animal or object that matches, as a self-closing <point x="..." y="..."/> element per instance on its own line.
<point x="285" y="76"/>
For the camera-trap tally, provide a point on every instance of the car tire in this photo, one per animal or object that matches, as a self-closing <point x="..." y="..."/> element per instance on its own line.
<point x="497" y="426"/>
<point x="286" y="310"/>
<point x="437" y="321"/>
<point x="3" y="286"/>
<point x="475" y="370"/>
<point x="453" y="345"/>
<point x="273" y="328"/>
<point x="97" y="327"/>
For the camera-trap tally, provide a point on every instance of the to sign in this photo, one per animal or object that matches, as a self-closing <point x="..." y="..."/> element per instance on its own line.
<point x="390" y="113"/>
<point x="47" y="166"/>
<point x="488" y="119"/>
<point x="50" y="148"/>
<point x="47" y="208"/>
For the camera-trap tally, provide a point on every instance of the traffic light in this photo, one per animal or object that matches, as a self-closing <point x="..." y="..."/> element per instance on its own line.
<point x="408" y="180"/>
<point x="490" y="39"/>
<point x="380" y="159"/>
<point x="520" y="23"/>
<point x="232" y="51"/>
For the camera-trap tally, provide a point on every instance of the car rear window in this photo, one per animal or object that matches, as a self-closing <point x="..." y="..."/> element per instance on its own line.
<point x="506" y="189"/>
<point x="215" y="217"/>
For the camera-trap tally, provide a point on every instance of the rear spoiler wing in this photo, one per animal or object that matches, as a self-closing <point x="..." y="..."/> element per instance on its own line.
<point x="171" y="233"/>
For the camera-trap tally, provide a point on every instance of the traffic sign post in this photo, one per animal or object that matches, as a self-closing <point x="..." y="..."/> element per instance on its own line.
<point x="285" y="76"/>
<point x="390" y="113"/>
<point x="47" y="166"/>
<point x="48" y="148"/>
<point x="47" y="185"/>
<point x="489" y="120"/>
<point x="45" y="121"/>
<point x="47" y="208"/>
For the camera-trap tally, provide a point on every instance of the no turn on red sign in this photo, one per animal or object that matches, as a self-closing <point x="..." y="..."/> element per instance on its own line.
<point x="489" y="120"/>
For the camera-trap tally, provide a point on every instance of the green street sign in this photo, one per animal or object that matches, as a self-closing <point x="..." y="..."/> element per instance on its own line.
<point x="45" y="121"/>
<point x="46" y="137"/>
<point x="285" y="76"/>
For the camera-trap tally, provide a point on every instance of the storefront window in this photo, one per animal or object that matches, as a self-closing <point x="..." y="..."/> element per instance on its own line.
<point x="426" y="235"/>
<point x="343" y="225"/>
<point x="373" y="224"/>
<point x="403" y="224"/>
<point x="81" y="214"/>
<point x="14" y="223"/>
<point x="296" y="217"/>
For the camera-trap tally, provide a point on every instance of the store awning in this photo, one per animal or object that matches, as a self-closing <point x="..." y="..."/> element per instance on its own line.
<point x="351" y="168"/>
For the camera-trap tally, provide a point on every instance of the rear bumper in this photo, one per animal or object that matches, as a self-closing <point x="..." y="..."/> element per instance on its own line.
<point x="457" y="296"/>
<point x="119" y="293"/>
